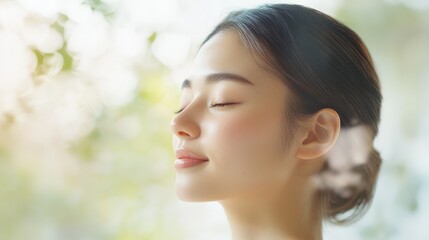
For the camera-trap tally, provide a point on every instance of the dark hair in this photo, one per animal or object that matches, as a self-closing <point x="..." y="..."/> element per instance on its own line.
<point x="325" y="65"/>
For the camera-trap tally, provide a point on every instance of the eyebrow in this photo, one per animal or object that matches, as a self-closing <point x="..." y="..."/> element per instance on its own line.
<point x="216" y="77"/>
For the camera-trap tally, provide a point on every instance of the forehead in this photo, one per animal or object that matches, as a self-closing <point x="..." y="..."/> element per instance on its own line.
<point x="225" y="52"/>
<point x="223" y="46"/>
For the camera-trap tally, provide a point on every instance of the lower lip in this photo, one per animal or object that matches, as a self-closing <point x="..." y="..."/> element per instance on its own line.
<point x="188" y="162"/>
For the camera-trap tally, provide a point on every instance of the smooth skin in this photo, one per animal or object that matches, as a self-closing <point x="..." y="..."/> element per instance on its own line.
<point x="266" y="189"/>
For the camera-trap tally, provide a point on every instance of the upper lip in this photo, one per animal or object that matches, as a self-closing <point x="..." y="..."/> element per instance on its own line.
<point x="184" y="153"/>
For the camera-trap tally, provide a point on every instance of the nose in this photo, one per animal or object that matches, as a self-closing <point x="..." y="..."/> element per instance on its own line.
<point x="184" y="128"/>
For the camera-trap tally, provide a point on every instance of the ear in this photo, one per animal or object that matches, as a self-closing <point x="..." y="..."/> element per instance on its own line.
<point x="320" y="135"/>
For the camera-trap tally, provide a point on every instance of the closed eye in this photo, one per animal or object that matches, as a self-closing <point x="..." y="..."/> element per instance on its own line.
<point x="179" y="111"/>
<point x="220" y="104"/>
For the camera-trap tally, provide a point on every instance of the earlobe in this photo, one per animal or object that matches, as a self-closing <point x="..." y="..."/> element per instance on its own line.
<point x="320" y="136"/>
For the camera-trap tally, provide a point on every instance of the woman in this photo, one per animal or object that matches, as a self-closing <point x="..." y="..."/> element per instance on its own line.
<point x="277" y="123"/>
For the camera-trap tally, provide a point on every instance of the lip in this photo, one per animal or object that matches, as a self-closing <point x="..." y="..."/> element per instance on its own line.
<point x="186" y="159"/>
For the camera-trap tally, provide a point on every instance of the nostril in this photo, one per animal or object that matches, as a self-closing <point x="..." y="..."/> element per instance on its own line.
<point x="182" y="133"/>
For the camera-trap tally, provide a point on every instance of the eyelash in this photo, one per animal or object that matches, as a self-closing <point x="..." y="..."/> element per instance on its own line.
<point x="211" y="106"/>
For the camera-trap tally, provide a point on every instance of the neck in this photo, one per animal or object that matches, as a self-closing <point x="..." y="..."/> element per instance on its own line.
<point x="285" y="214"/>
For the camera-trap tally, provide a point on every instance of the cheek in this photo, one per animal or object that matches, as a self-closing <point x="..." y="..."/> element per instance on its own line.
<point x="246" y="131"/>
<point x="245" y="147"/>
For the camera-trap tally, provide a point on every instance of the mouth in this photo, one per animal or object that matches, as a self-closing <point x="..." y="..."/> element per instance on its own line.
<point x="186" y="159"/>
<point x="182" y="163"/>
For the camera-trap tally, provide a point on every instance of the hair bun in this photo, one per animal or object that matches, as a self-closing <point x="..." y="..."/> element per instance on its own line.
<point x="337" y="199"/>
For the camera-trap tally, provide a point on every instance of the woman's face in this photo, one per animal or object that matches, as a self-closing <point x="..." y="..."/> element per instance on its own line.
<point x="242" y="140"/>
